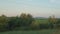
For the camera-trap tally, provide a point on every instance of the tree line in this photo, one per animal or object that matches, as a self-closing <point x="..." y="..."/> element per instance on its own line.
<point x="26" y="22"/>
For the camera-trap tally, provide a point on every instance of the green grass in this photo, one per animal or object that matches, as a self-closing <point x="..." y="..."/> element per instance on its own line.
<point x="29" y="32"/>
<point x="42" y="21"/>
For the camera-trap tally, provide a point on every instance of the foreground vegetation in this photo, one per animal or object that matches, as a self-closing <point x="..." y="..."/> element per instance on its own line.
<point x="30" y="32"/>
<point x="26" y="22"/>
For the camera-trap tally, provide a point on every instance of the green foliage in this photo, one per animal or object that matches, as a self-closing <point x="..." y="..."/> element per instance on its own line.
<point x="3" y="22"/>
<point x="3" y="19"/>
<point x="58" y="24"/>
<point x="52" y="19"/>
<point x="13" y="22"/>
<point x="26" y="20"/>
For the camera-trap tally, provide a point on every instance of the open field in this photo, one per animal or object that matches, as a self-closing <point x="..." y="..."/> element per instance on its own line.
<point x="30" y="32"/>
<point x="42" y="21"/>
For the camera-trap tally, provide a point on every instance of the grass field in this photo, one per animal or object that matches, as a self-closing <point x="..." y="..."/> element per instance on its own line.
<point x="29" y="32"/>
<point x="42" y="21"/>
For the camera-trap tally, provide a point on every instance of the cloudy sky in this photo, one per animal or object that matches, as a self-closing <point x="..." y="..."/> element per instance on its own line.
<point x="38" y="8"/>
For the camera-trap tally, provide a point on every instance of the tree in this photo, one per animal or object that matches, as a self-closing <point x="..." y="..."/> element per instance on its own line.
<point x="23" y="19"/>
<point x="26" y="19"/>
<point x="12" y="23"/>
<point x="30" y="19"/>
<point x="3" y="19"/>
<point x="3" y="22"/>
<point x="58" y="23"/>
<point x="53" y="20"/>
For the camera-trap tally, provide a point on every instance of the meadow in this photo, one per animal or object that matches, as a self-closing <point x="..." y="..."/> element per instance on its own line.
<point x="30" y="32"/>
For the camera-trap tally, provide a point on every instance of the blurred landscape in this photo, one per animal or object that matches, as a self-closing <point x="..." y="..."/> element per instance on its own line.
<point x="27" y="24"/>
<point x="29" y="16"/>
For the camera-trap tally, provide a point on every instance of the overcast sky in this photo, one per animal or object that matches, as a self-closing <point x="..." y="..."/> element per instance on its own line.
<point x="38" y="8"/>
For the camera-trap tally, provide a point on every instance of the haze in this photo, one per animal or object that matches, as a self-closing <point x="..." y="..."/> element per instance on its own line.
<point x="38" y="8"/>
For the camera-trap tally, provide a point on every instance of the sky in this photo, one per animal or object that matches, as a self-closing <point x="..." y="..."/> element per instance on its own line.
<point x="38" y="8"/>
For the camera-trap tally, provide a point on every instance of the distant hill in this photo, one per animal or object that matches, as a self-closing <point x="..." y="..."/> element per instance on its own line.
<point x="40" y="18"/>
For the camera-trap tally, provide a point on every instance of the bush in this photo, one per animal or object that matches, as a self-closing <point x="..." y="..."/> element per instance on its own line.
<point x="46" y="26"/>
